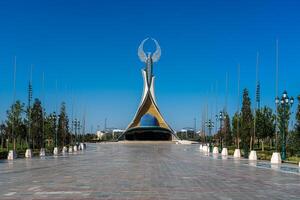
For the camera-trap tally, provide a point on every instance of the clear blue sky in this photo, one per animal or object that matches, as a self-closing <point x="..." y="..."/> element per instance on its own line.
<point x="90" y="48"/>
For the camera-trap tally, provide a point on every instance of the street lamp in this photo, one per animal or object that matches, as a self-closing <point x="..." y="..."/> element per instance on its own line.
<point x="286" y="103"/>
<point x="222" y="117"/>
<point x="210" y="125"/>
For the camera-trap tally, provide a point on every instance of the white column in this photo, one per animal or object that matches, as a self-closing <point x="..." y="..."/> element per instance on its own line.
<point x="276" y="158"/>
<point x="237" y="153"/>
<point x="253" y="155"/>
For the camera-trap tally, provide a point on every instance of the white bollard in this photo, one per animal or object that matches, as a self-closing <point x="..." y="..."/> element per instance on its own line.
<point x="42" y="152"/>
<point x="215" y="150"/>
<point x="55" y="151"/>
<point x="70" y="149"/>
<point x="237" y="153"/>
<point x="75" y="148"/>
<point x="28" y="153"/>
<point x="64" y="150"/>
<point x="299" y="164"/>
<point x="276" y="158"/>
<point x="81" y="146"/>
<point x="11" y="155"/>
<point x="224" y="152"/>
<point x="204" y="148"/>
<point x="200" y="147"/>
<point x="253" y="155"/>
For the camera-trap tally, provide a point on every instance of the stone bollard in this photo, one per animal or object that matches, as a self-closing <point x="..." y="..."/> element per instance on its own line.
<point x="237" y="153"/>
<point x="55" y="151"/>
<point x="84" y="145"/>
<point x="204" y="148"/>
<point x="42" y="152"/>
<point x="276" y="158"/>
<point x="70" y="149"/>
<point x="200" y="147"/>
<point x="81" y="146"/>
<point x="299" y="164"/>
<point x="253" y="155"/>
<point x="215" y="150"/>
<point x="75" y="148"/>
<point x="28" y="153"/>
<point x="64" y="150"/>
<point x="224" y="152"/>
<point x="11" y="155"/>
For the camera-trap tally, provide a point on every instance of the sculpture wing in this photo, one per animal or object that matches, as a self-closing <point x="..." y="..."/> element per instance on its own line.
<point x="157" y="53"/>
<point x="141" y="52"/>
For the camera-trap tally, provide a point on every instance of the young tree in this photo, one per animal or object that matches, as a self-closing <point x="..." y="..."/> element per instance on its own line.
<point x="265" y="124"/>
<point x="63" y="126"/>
<point x="227" y="131"/>
<point x="246" y="123"/>
<point x="50" y="128"/>
<point x="236" y="127"/>
<point x="14" y="121"/>
<point x="294" y="138"/>
<point x="37" y="124"/>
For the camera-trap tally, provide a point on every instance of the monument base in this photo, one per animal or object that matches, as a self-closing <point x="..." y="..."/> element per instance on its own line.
<point x="253" y="155"/>
<point x="224" y="152"/>
<point x="11" y="155"/>
<point x="28" y="153"/>
<point x="237" y="153"/>
<point x="276" y="158"/>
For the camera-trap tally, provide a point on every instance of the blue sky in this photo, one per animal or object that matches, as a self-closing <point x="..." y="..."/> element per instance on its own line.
<point x="90" y="49"/>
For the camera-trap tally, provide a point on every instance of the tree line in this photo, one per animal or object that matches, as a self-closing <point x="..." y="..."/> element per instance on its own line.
<point x="255" y="129"/>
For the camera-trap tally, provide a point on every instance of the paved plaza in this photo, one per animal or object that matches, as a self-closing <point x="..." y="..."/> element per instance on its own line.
<point x="145" y="171"/>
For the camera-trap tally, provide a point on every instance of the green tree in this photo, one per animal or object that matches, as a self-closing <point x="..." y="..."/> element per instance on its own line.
<point x="37" y="124"/>
<point x="236" y="127"/>
<point x="246" y="123"/>
<point x="227" y="133"/>
<point x="63" y="127"/>
<point x="294" y="138"/>
<point x="50" y="129"/>
<point x="265" y="124"/>
<point x="15" y="122"/>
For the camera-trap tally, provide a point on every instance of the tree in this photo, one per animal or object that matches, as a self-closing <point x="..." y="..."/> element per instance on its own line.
<point x="265" y="124"/>
<point x="63" y="134"/>
<point x="50" y="128"/>
<point x="236" y="126"/>
<point x="294" y="138"/>
<point x="14" y="122"/>
<point x="227" y="131"/>
<point x="246" y="123"/>
<point x="37" y="124"/>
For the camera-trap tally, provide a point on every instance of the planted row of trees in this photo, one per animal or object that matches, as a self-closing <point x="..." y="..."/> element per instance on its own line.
<point x="255" y="129"/>
<point x="32" y="127"/>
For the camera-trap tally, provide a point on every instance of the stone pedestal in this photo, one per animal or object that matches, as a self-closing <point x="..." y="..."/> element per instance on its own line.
<point x="70" y="149"/>
<point x="224" y="152"/>
<point x="42" y="152"/>
<point x="75" y="148"/>
<point x="215" y="150"/>
<point x="253" y="155"/>
<point x="276" y="158"/>
<point x="28" y="153"/>
<point x="55" y="151"/>
<point x="11" y="155"/>
<point x="299" y="164"/>
<point x="237" y="153"/>
<point x="64" y="150"/>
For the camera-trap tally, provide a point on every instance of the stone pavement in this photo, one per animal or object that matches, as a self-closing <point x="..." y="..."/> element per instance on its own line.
<point x="145" y="171"/>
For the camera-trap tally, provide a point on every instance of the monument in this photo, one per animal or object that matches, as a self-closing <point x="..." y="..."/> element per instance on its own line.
<point x="148" y="122"/>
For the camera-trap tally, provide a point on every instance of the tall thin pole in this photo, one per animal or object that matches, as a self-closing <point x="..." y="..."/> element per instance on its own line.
<point x="226" y="95"/>
<point x="43" y="113"/>
<point x="14" y="99"/>
<point x="276" y="92"/>
<point x="56" y="114"/>
<point x="238" y="109"/>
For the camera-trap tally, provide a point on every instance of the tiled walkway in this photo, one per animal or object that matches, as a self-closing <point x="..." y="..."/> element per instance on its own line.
<point x="144" y="171"/>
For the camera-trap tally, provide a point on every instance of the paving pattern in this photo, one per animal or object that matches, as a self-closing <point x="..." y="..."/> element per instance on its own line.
<point x="145" y="171"/>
